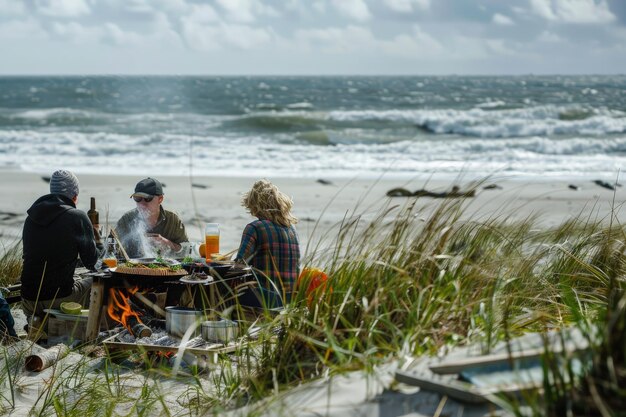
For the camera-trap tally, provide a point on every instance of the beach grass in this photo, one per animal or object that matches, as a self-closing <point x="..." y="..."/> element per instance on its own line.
<point x="404" y="282"/>
<point x="10" y="264"/>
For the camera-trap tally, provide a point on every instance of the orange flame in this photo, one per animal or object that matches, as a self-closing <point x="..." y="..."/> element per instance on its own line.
<point x="119" y="307"/>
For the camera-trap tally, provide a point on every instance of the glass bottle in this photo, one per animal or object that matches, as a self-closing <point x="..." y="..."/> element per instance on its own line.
<point x="93" y="214"/>
<point x="110" y="254"/>
<point x="94" y="217"/>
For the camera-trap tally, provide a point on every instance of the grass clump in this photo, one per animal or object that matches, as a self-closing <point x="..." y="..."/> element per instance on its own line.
<point x="409" y="283"/>
<point x="10" y="264"/>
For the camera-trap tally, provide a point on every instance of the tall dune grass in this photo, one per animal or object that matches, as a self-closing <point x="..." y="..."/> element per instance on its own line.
<point x="10" y="264"/>
<point x="407" y="282"/>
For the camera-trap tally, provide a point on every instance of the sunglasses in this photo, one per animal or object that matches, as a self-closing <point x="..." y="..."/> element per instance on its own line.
<point x="146" y="199"/>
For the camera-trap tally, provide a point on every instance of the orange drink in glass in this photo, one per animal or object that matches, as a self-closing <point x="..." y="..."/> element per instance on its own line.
<point x="211" y="240"/>
<point x="110" y="262"/>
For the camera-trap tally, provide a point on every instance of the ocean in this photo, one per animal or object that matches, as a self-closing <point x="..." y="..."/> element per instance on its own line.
<point x="540" y="127"/>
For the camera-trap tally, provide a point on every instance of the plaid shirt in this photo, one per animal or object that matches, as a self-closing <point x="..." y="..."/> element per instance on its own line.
<point x="272" y="249"/>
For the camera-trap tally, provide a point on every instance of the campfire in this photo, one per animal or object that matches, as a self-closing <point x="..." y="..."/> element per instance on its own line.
<point x="120" y="310"/>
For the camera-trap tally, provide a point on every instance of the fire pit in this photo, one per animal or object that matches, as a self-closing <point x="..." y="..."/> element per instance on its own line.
<point x="120" y="293"/>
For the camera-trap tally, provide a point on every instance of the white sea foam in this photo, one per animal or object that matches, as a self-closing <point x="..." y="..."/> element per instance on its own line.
<point x="300" y="106"/>
<point x="258" y="155"/>
<point x="42" y="114"/>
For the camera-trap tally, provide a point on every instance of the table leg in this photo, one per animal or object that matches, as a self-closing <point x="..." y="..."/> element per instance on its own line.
<point x="95" y="311"/>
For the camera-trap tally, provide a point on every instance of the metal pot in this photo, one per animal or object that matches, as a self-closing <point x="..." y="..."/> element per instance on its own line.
<point x="222" y="331"/>
<point x="179" y="319"/>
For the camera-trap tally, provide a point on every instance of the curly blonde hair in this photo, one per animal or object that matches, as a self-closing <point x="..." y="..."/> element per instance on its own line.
<point x="267" y="202"/>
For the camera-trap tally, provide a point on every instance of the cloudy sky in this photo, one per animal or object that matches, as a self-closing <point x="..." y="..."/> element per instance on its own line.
<point x="312" y="36"/>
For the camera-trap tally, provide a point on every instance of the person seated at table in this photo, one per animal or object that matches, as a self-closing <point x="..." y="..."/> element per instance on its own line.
<point x="55" y="233"/>
<point x="149" y="229"/>
<point x="270" y="244"/>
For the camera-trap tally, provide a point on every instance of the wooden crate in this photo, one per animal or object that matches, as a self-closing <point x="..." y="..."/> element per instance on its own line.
<point x="73" y="329"/>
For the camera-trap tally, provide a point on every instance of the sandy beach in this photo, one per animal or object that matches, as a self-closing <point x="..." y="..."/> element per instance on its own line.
<point x="320" y="204"/>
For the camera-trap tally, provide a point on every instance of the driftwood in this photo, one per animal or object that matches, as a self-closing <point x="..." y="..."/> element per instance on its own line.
<point x="605" y="184"/>
<point x="42" y="360"/>
<point x="454" y="193"/>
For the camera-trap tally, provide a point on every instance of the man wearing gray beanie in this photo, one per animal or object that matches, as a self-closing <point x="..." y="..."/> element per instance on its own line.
<point x="55" y="234"/>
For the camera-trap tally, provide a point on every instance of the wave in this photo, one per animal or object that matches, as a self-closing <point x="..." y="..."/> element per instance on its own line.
<point x="277" y="121"/>
<point x="478" y="122"/>
<point x="489" y="120"/>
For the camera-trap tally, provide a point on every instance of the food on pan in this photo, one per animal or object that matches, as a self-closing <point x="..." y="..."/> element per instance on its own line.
<point x="155" y="268"/>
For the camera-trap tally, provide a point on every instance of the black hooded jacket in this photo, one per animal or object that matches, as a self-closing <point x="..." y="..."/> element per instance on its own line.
<point x="55" y="233"/>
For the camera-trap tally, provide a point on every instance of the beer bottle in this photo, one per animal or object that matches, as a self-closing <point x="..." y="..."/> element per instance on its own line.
<point x="93" y="214"/>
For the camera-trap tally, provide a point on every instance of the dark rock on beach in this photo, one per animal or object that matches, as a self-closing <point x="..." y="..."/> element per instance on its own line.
<point x="201" y="186"/>
<point x="46" y="179"/>
<point x="573" y="187"/>
<point x="324" y="182"/>
<point x="605" y="184"/>
<point x="455" y="192"/>
<point x="492" y="187"/>
<point x="399" y="192"/>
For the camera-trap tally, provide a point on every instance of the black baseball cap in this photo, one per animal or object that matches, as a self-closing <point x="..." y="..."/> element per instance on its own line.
<point x="147" y="188"/>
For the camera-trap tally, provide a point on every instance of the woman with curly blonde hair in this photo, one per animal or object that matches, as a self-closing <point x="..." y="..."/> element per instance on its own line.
<point x="270" y="244"/>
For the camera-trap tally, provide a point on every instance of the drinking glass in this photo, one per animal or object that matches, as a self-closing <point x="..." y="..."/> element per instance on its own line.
<point x="211" y="240"/>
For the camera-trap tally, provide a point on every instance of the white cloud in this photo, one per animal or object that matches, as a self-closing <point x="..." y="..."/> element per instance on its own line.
<point x="499" y="47"/>
<point x="112" y="33"/>
<point x="353" y="9"/>
<point x="139" y="6"/>
<point x="502" y="20"/>
<point x="319" y="6"/>
<point x="245" y="11"/>
<point x="12" y="7"/>
<point x="549" y="37"/>
<point x="335" y="40"/>
<point x="63" y="8"/>
<point x="205" y="33"/>
<point x="418" y="42"/>
<point x="22" y="29"/>
<point x="177" y="6"/>
<point x="573" y="11"/>
<point x="201" y="13"/>
<point x="75" y="32"/>
<point x="406" y="6"/>
<point x="107" y="33"/>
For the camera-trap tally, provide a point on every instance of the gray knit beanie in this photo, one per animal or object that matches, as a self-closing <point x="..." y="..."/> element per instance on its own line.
<point x="65" y="183"/>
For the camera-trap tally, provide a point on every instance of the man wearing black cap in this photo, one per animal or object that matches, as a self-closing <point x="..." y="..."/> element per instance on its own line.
<point x="55" y="234"/>
<point x="149" y="228"/>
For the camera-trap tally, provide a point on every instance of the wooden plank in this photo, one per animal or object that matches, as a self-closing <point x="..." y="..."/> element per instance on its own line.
<point x="453" y="388"/>
<point x="95" y="310"/>
<point x="457" y="366"/>
<point x="461" y="390"/>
